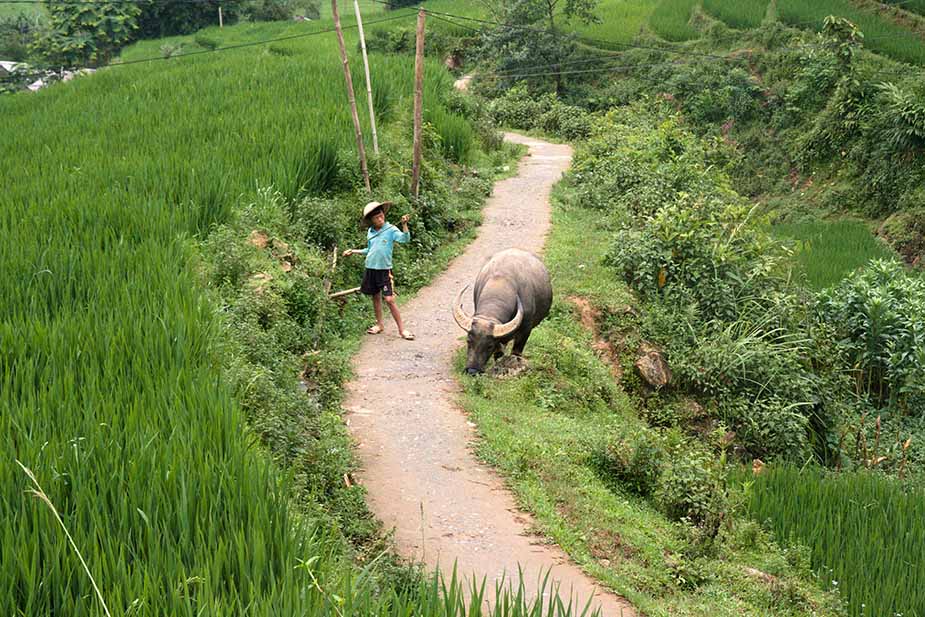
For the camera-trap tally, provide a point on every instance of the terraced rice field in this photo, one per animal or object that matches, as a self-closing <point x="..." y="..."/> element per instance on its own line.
<point x="111" y="389"/>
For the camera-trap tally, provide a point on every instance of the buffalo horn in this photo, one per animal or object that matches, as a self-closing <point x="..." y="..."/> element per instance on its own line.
<point x="502" y="330"/>
<point x="464" y="321"/>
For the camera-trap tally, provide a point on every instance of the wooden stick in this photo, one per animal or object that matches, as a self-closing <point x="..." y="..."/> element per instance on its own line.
<point x="346" y="292"/>
<point x="369" y="86"/>
<point x="353" y="103"/>
<point x="418" y="104"/>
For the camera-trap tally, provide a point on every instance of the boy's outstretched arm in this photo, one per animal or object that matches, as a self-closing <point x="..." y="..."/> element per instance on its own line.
<point x="405" y="235"/>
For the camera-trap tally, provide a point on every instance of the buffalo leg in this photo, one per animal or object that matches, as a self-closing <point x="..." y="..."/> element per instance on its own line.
<point x="519" y="342"/>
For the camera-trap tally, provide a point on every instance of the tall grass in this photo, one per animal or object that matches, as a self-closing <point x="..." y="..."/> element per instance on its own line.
<point x="881" y="35"/>
<point x="671" y="20"/>
<point x="738" y="13"/>
<point x="111" y="383"/>
<point x="827" y="251"/>
<point x="865" y="531"/>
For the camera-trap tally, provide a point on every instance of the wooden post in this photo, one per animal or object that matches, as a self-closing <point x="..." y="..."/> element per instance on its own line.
<point x="353" y="103"/>
<point x="418" y="104"/>
<point x="220" y="22"/>
<point x="369" y="86"/>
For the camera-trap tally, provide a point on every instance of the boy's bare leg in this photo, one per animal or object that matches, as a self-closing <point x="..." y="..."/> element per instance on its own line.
<point x="377" y="307"/>
<point x="393" y="308"/>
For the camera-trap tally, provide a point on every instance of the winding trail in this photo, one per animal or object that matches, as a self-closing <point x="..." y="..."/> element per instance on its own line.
<point x="413" y="440"/>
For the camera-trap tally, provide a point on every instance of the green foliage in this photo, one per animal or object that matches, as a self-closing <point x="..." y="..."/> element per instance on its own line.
<point x="690" y="487"/>
<point x="528" y="35"/>
<point x="160" y="18"/>
<point x="636" y="460"/>
<point x="86" y="34"/>
<point x="711" y="279"/>
<point x="518" y="108"/>
<point x="878" y="315"/>
<point x="671" y="20"/>
<point x="17" y="33"/>
<point x="280" y="10"/>
<point x="883" y="35"/>
<point x="864" y="531"/>
<point x="634" y="165"/>
<point x="456" y="135"/>
<point x="704" y="250"/>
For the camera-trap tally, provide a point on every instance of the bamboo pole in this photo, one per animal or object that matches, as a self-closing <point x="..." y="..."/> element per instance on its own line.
<point x="221" y="24"/>
<point x="369" y="86"/>
<point x="418" y="104"/>
<point x="353" y="103"/>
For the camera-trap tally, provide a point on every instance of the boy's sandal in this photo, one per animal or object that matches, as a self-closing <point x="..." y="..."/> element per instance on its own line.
<point x="374" y="329"/>
<point x="407" y="335"/>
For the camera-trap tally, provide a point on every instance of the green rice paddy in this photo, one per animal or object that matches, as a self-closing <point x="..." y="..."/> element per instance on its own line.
<point x="671" y="18"/>
<point x="738" y="13"/>
<point x="111" y="385"/>
<point x="880" y="34"/>
<point x="865" y="533"/>
<point x="827" y="251"/>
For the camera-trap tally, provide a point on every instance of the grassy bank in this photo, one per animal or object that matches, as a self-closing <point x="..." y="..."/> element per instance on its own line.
<point x="544" y="430"/>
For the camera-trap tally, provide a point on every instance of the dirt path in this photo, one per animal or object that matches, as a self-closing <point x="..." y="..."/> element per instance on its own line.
<point x="413" y="439"/>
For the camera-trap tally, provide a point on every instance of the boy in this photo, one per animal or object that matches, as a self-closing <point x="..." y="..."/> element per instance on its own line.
<point x="377" y="280"/>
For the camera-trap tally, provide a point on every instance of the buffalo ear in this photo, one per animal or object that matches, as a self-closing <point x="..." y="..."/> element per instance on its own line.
<point x="464" y="320"/>
<point x="502" y="330"/>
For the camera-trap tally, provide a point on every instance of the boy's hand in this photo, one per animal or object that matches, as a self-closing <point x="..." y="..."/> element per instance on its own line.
<point x="348" y="252"/>
<point x="405" y="219"/>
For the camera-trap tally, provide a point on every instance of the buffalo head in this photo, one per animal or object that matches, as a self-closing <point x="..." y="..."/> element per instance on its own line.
<point x="485" y="335"/>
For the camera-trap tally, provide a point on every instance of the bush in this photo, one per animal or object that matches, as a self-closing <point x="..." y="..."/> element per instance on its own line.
<point x="690" y="488"/>
<point x="635" y="460"/>
<point x="634" y="163"/>
<point x="706" y="251"/>
<point x="878" y="315"/>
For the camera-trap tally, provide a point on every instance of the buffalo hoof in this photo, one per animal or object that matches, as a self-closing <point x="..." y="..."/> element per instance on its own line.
<point x="472" y="372"/>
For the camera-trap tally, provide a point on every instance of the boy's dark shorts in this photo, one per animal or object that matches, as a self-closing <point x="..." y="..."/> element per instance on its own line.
<point x="375" y="281"/>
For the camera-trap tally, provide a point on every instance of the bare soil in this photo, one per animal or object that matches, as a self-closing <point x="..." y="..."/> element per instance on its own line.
<point x="414" y="442"/>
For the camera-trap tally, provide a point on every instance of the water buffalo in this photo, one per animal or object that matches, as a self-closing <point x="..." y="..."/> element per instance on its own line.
<point x="512" y="296"/>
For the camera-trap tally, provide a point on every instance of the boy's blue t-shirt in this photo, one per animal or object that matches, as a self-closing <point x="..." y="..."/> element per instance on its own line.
<point x="379" y="244"/>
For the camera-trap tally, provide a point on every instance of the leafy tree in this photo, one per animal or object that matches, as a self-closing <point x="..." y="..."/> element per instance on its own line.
<point x="531" y="35"/>
<point x="86" y="34"/>
<point x="170" y="17"/>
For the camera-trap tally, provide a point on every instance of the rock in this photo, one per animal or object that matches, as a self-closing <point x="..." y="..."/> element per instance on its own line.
<point x="652" y="366"/>
<point x="258" y="239"/>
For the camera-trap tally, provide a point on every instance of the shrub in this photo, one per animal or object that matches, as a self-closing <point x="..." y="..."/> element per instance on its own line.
<point x="706" y="250"/>
<point x="690" y="487"/>
<point x="635" y="460"/>
<point x="878" y="315"/>
<point x="634" y="163"/>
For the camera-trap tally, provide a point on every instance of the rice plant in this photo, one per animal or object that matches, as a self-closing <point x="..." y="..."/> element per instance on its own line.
<point x="865" y="532"/>
<point x="111" y="385"/>
<point x="621" y="22"/>
<point x="880" y="34"/>
<point x="738" y="13"/>
<point x="827" y="251"/>
<point x="671" y="20"/>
